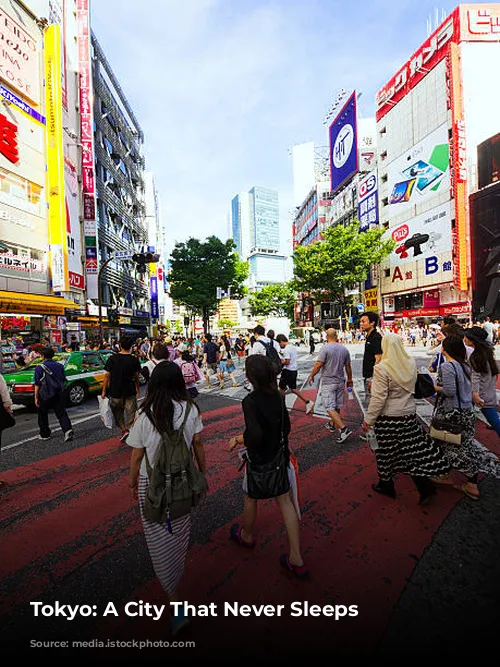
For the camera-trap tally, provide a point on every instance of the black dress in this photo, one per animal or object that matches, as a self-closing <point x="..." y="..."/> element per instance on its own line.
<point x="263" y="415"/>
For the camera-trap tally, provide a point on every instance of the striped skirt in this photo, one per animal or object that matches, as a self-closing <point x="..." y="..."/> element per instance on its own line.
<point x="167" y="550"/>
<point x="403" y="446"/>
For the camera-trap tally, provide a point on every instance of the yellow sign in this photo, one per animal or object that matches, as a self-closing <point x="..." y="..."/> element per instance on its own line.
<point x="58" y="241"/>
<point x="371" y="299"/>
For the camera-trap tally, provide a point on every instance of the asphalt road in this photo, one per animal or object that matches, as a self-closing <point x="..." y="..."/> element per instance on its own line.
<point x="426" y="580"/>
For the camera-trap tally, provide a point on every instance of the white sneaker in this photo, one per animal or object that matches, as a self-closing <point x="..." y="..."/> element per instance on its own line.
<point x="309" y="407"/>
<point x="344" y="435"/>
<point x="68" y="435"/>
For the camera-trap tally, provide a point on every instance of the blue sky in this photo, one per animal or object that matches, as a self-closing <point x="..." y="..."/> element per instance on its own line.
<point x="223" y="88"/>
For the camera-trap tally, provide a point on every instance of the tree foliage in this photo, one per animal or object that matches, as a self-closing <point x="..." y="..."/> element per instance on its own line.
<point x="277" y="300"/>
<point x="198" y="267"/>
<point x="326" y="269"/>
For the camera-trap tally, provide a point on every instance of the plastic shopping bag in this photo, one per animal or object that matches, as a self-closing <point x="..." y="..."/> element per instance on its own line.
<point x="105" y="412"/>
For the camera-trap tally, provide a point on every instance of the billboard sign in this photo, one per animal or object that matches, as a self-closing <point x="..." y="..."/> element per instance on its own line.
<point x="432" y="51"/>
<point x="368" y="202"/>
<point x="19" y="56"/>
<point x="58" y="240"/>
<point x="420" y="173"/>
<point x="344" y="145"/>
<point x="423" y="236"/>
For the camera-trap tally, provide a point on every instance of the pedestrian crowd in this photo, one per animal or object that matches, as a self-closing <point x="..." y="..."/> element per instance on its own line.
<point x="168" y="463"/>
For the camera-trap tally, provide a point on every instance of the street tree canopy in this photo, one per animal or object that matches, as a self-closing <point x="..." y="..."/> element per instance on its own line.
<point x="277" y="300"/>
<point x="326" y="269"/>
<point x="198" y="267"/>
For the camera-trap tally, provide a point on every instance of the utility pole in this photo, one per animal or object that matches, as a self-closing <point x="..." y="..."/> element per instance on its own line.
<point x="140" y="259"/>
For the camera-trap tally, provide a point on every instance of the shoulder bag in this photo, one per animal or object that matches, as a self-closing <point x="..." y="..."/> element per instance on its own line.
<point x="270" y="480"/>
<point x="443" y="429"/>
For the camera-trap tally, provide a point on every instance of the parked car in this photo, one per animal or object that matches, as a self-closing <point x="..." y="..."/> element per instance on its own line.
<point x="84" y="376"/>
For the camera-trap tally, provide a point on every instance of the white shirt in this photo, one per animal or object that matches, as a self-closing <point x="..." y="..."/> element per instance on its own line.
<point x="152" y="364"/>
<point x="143" y="434"/>
<point x="290" y="352"/>
<point x="261" y="349"/>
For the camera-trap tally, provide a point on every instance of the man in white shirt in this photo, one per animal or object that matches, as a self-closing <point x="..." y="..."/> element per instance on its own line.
<point x="488" y="327"/>
<point x="288" y="379"/>
<point x="261" y="342"/>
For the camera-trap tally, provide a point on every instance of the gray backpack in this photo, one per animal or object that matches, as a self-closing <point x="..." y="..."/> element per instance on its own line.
<point x="175" y="483"/>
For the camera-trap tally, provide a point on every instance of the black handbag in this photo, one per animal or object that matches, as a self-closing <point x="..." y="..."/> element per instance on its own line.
<point x="270" y="480"/>
<point x="424" y="386"/>
<point x="6" y="419"/>
<point x="443" y="429"/>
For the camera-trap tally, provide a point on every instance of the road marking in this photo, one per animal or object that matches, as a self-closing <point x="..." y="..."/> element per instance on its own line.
<point x="36" y="437"/>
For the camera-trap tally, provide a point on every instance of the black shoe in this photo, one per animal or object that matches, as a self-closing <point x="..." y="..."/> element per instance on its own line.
<point x="384" y="490"/>
<point x="426" y="497"/>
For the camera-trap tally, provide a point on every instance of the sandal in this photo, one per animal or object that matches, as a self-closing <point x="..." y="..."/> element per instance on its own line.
<point x="465" y="490"/>
<point x="299" y="571"/>
<point x="444" y="480"/>
<point x="235" y="535"/>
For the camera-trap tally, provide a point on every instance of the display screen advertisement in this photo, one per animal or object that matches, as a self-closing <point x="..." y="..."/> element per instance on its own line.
<point x="344" y="145"/>
<point x="420" y="173"/>
<point x="368" y="202"/>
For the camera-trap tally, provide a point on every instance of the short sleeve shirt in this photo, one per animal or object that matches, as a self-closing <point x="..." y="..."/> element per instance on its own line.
<point x="334" y="357"/>
<point x="143" y="434"/>
<point x="290" y="352"/>
<point x="122" y="369"/>
<point x="373" y="346"/>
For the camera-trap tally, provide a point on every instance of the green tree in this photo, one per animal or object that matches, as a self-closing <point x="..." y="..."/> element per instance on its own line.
<point x="277" y="300"/>
<point x="324" y="270"/>
<point x="197" y="268"/>
<point x="226" y="323"/>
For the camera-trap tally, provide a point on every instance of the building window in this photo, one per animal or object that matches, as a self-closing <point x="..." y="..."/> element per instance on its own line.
<point x="387" y="273"/>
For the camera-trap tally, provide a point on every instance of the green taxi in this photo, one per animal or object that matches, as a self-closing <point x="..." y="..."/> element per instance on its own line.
<point x="84" y="376"/>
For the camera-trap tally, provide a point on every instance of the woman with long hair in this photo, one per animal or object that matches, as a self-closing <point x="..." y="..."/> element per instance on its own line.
<point x="267" y="427"/>
<point x="163" y="411"/>
<point x="403" y="446"/>
<point x="454" y="397"/>
<point x="226" y="364"/>
<point x="484" y="375"/>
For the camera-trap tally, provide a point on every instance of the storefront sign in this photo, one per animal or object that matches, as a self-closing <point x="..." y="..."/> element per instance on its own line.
<point x="126" y="311"/>
<point x="153" y="292"/>
<point x="371" y="299"/>
<point x="141" y="313"/>
<point x="420" y="64"/>
<point x="125" y="320"/>
<point x="18" y="262"/>
<point x="480" y="23"/>
<point x="21" y="105"/>
<point x="8" y="139"/>
<point x="58" y="241"/>
<point x="19" y="57"/>
<point x="368" y="202"/>
<point x="93" y="310"/>
<point x="76" y="280"/>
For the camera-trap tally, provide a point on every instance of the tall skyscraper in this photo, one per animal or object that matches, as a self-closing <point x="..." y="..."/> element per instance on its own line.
<point x="255" y="230"/>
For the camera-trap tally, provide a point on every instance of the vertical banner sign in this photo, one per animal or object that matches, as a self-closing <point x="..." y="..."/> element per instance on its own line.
<point x="368" y="202"/>
<point x="58" y="244"/>
<point x="153" y="293"/>
<point x="459" y="183"/>
<point x="344" y="145"/>
<point x="87" y="140"/>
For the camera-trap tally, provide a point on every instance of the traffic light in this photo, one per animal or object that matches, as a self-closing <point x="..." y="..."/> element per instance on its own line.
<point x="143" y="258"/>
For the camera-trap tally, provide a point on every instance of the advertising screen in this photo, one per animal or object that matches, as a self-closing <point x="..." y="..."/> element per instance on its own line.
<point x="344" y="145"/>
<point x="420" y="173"/>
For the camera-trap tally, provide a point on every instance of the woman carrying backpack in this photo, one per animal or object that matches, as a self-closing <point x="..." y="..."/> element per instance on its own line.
<point x="167" y="409"/>
<point x="191" y="372"/>
<point x="267" y="426"/>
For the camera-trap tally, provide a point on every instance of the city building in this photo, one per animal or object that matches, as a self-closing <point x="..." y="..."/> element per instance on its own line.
<point x="431" y="117"/>
<point x="120" y="223"/>
<point x="256" y="233"/>
<point x="40" y="252"/>
<point x="312" y="216"/>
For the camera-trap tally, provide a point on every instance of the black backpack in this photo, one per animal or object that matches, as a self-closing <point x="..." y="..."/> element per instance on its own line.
<point x="49" y="385"/>
<point x="273" y="356"/>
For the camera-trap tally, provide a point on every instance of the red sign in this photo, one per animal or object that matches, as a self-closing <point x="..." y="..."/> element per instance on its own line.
<point x="400" y="233"/>
<point x="76" y="280"/>
<point x="160" y="274"/>
<point x="462" y="308"/>
<point x="426" y="58"/>
<point x="91" y="263"/>
<point x="421" y="312"/>
<point x="8" y="140"/>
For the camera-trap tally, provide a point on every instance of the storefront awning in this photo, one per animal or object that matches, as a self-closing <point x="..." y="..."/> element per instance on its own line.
<point x="36" y="304"/>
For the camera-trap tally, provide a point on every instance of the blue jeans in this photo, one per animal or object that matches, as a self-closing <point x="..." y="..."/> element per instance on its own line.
<point x="492" y="417"/>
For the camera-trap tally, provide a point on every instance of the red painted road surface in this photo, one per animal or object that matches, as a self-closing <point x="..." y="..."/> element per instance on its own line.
<point x="61" y="516"/>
